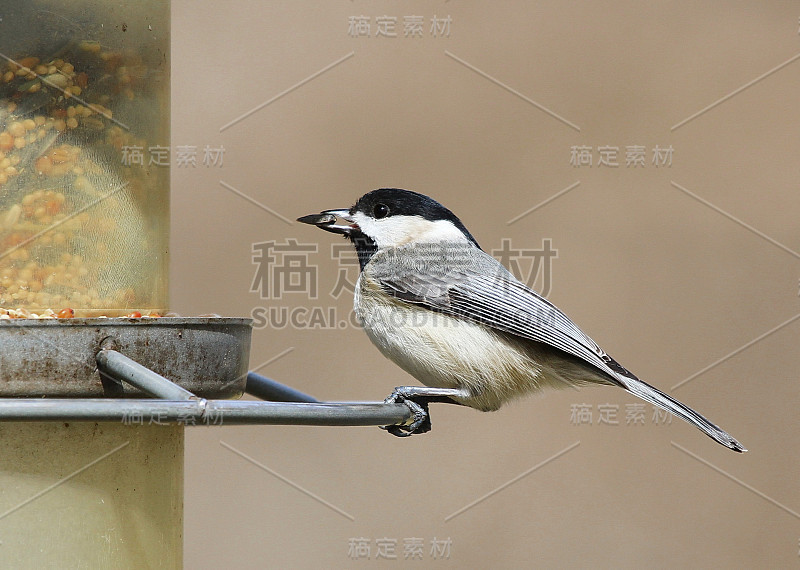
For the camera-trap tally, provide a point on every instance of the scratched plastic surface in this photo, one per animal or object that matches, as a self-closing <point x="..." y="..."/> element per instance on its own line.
<point x="84" y="157"/>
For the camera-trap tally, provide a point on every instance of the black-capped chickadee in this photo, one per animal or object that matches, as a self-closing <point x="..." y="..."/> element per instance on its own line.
<point x="450" y="315"/>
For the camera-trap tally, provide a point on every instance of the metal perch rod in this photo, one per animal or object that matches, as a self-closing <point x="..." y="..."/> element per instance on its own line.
<point x="173" y="404"/>
<point x="204" y="412"/>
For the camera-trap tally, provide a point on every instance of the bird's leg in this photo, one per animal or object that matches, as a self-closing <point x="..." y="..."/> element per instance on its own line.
<point x="417" y="399"/>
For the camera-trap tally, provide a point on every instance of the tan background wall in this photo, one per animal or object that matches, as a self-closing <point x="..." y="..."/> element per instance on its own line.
<point x="665" y="283"/>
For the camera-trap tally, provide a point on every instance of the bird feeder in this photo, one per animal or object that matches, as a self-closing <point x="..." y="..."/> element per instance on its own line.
<point x="97" y="380"/>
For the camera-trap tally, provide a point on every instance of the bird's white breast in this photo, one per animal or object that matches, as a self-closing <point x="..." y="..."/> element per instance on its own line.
<point x="445" y="352"/>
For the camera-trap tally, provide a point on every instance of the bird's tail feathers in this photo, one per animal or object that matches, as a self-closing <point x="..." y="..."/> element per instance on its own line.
<point x="658" y="398"/>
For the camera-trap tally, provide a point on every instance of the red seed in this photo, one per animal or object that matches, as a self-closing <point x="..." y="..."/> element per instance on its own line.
<point x="82" y="80"/>
<point x="53" y="207"/>
<point x="66" y="313"/>
<point x="28" y="61"/>
<point x="134" y="315"/>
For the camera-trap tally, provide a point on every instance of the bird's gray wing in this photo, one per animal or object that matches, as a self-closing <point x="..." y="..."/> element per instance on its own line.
<point x="482" y="290"/>
<point x="476" y="287"/>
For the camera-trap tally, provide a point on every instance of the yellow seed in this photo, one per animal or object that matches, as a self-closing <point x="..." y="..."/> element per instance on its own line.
<point x="75" y="89"/>
<point x="60" y="125"/>
<point x="68" y="67"/>
<point x="16" y="129"/>
<point x="58" y="80"/>
<point x="72" y="122"/>
<point x="60" y="154"/>
<point x="40" y="69"/>
<point x="20" y="254"/>
<point x="70" y="111"/>
<point x="29" y="124"/>
<point x="8" y="76"/>
<point x="11" y="171"/>
<point x="39" y="120"/>
<point x="102" y="110"/>
<point x="19" y="142"/>
<point x="52" y="69"/>
<point x="12" y="216"/>
<point x="3" y="178"/>
<point x="93" y="123"/>
<point x="35" y="87"/>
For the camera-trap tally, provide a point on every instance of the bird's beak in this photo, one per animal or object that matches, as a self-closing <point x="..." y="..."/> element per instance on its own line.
<point x="335" y="221"/>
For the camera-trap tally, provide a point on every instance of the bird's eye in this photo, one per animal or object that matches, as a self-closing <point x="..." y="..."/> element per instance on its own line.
<point x="380" y="211"/>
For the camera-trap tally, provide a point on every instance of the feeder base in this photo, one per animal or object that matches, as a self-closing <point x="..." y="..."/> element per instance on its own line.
<point x="91" y="495"/>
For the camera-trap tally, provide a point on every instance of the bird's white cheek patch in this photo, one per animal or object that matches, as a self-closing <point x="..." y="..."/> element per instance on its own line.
<point x="395" y="231"/>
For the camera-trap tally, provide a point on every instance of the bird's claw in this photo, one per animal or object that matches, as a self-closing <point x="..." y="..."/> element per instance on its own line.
<point x="421" y="422"/>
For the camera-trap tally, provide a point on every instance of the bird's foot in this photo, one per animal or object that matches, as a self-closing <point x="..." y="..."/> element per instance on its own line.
<point x="420" y="421"/>
<point x="417" y="399"/>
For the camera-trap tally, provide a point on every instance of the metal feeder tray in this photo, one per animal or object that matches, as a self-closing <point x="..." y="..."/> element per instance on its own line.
<point x="168" y="369"/>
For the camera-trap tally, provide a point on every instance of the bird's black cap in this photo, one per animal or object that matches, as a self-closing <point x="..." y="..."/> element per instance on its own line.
<point x="399" y="202"/>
